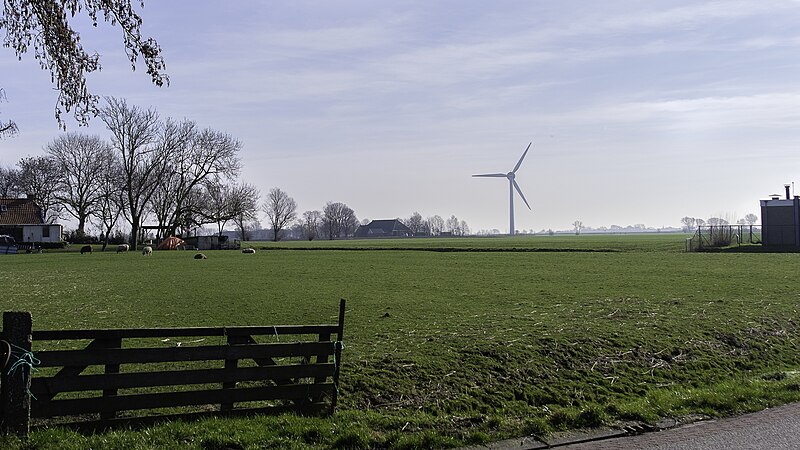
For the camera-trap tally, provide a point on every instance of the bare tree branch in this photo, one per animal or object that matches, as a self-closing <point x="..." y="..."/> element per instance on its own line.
<point x="43" y="27"/>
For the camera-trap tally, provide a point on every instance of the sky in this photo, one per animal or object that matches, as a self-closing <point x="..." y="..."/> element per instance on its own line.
<point x="639" y="112"/>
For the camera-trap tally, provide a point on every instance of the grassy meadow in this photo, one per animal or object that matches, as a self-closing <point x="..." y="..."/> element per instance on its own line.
<point x="484" y="339"/>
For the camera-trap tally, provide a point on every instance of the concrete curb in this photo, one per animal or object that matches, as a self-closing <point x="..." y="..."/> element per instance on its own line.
<point x="586" y="435"/>
<point x="557" y="440"/>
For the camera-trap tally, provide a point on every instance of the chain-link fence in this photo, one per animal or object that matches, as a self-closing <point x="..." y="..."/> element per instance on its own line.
<point x="717" y="236"/>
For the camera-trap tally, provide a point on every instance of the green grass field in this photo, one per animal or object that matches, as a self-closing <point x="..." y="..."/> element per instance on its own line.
<point x="447" y="348"/>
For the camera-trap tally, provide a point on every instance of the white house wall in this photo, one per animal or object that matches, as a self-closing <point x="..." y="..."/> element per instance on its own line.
<point x="34" y="233"/>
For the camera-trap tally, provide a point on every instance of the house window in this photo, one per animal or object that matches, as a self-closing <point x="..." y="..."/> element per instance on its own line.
<point x="46" y="232"/>
<point x="3" y="208"/>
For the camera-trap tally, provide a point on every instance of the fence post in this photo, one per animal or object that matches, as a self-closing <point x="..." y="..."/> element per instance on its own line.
<point x="337" y="355"/>
<point x="110" y="368"/>
<point x="16" y="400"/>
<point x="230" y="369"/>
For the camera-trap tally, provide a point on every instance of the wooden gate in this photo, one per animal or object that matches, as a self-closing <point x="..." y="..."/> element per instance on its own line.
<point x="120" y="375"/>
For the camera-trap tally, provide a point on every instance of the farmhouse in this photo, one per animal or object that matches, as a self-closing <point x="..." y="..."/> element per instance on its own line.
<point x="383" y="228"/>
<point x="780" y="221"/>
<point x="23" y="219"/>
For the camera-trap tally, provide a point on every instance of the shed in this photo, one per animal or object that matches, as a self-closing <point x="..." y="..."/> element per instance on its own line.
<point x="213" y="242"/>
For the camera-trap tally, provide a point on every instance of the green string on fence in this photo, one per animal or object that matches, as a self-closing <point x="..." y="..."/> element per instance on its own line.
<point x="24" y="358"/>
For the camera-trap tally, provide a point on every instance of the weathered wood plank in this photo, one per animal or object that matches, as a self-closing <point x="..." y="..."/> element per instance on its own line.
<point x="46" y="387"/>
<point x="68" y="371"/>
<point x="100" y="356"/>
<point x="230" y="367"/>
<point x="337" y="355"/>
<point x="54" y="408"/>
<point x="128" y="333"/>
<point x="110" y="369"/>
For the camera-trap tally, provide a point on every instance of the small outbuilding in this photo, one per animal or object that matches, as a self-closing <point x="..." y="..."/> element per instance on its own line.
<point x="780" y="221"/>
<point x="23" y="220"/>
<point x="383" y="228"/>
<point x="214" y="242"/>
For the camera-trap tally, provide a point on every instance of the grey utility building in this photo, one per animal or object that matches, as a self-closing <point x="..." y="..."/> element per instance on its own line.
<point x="780" y="221"/>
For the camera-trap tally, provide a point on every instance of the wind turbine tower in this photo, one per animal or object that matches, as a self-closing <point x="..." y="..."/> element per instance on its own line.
<point x="512" y="185"/>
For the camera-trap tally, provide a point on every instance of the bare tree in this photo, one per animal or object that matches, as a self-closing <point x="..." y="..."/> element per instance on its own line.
<point x="9" y="182"/>
<point x="280" y="209"/>
<point x="244" y="207"/>
<point x="81" y="160"/>
<point x="436" y="225"/>
<point x="111" y="199"/>
<point x="464" y="228"/>
<point x="223" y="203"/>
<point x="8" y="128"/>
<point x="197" y="157"/>
<point x="349" y="223"/>
<point x="415" y="223"/>
<point x="751" y="219"/>
<point x="688" y="223"/>
<point x="40" y="177"/>
<point x="245" y="226"/>
<point x="339" y="220"/>
<point x="44" y="26"/>
<point x="577" y="226"/>
<point x="216" y="205"/>
<point x="452" y="225"/>
<point x="312" y="221"/>
<point x="142" y="145"/>
<point x="162" y="204"/>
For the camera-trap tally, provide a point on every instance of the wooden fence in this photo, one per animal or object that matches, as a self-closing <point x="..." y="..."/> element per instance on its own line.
<point x="124" y="375"/>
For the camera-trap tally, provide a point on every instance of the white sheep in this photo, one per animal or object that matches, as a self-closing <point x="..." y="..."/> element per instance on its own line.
<point x="147" y="251"/>
<point x="123" y="248"/>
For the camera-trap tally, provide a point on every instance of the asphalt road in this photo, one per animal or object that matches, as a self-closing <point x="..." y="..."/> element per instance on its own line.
<point x="775" y="428"/>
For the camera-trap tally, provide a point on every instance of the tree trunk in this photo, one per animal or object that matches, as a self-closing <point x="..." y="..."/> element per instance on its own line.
<point x="134" y="232"/>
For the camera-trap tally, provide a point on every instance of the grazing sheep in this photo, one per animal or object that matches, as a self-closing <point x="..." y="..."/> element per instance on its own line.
<point x="147" y="251"/>
<point x="248" y="250"/>
<point x="200" y="256"/>
<point x="123" y="248"/>
<point x="86" y="249"/>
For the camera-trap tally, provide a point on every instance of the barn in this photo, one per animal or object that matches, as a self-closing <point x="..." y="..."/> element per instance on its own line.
<point x="383" y="228"/>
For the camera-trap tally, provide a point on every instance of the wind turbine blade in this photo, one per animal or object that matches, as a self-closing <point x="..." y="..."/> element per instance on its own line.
<point x="519" y="163"/>
<point x="491" y="175"/>
<point x="519" y="191"/>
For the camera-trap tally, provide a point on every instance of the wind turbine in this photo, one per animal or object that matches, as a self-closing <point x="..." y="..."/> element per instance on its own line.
<point x="512" y="184"/>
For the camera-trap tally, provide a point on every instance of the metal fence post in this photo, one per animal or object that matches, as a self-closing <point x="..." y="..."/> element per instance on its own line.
<point x="16" y="377"/>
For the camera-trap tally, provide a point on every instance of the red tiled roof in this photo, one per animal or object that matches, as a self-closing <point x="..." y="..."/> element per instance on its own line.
<point x="19" y="211"/>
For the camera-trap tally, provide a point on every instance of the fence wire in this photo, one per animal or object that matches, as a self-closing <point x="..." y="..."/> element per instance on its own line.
<point x="718" y="236"/>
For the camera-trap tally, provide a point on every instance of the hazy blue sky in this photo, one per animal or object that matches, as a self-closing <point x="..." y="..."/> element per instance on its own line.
<point x="639" y="112"/>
